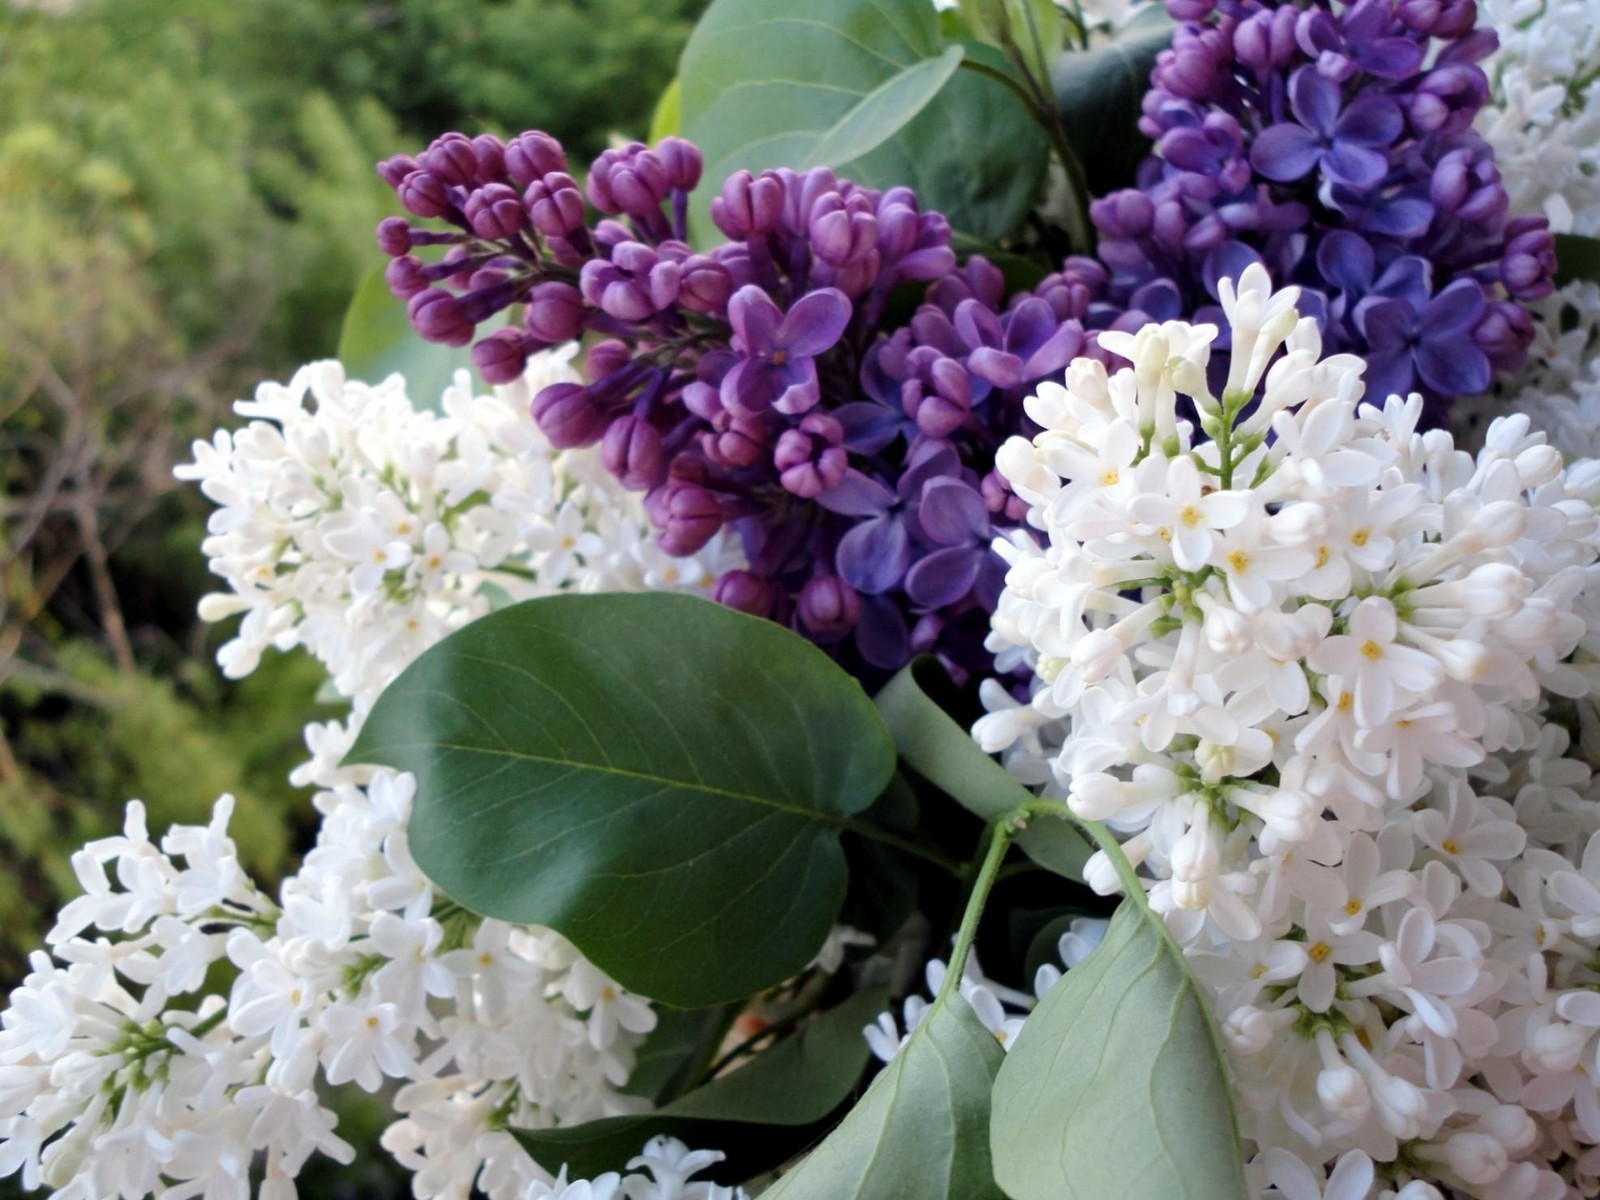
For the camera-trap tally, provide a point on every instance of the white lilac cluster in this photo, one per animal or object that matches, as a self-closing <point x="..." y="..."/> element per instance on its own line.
<point x="1327" y="678"/>
<point x="1544" y="125"/>
<point x="364" y="530"/>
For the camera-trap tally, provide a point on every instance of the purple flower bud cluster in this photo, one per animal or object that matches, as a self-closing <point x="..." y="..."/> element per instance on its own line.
<point x="1333" y="143"/>
<point x="754" y="387"/>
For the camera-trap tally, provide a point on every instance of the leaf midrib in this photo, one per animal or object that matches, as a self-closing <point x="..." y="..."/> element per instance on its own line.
<point x="838" y="819"/>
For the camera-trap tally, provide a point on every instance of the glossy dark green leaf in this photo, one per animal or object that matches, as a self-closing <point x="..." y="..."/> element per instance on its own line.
<point x="1123" y="1052"/>
<point x="1577" y="257"/>
<point x="1098" y="96"/>
<point x="377" y="341"/>
<point x="922" y="1129"/>
<point x="867" y="87"/>
<point x="661" y="779"/>
<point x="795" y="1084"/>
<point x="944" y="753"/>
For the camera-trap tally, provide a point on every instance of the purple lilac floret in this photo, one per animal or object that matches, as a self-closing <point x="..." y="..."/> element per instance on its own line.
<point x="1333" y="143"/>
<point x="754" y="387"/>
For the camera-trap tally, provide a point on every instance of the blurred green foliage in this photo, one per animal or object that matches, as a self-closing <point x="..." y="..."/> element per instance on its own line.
<point x="189" y="202"/>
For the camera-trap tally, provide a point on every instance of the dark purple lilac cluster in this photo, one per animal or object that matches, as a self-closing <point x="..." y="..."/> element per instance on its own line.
<point x="1333" y="142"/>
<point x="755" y="387"/>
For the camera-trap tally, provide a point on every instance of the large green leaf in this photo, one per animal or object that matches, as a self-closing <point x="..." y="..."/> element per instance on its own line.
<point x="1099" y="94"/>
<point x="659" y="778"/>
<point x="1123" y="1052"/>
<point x="943" y="753"/>
<point x="922" y="1129"/>
<point x="795" y="1084"/>
<point x="1577" y="257"/>
<point x="864" y="86"/>
<point x="377" y="341"/>
<point x="681" y="1045"/>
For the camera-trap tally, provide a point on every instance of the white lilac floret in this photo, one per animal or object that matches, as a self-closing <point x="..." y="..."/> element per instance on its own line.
<point x="1327" y="697"/>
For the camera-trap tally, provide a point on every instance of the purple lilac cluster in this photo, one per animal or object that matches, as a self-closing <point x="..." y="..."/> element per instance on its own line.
<point x="755" y="386"/>
<point x="1333" y="143"/>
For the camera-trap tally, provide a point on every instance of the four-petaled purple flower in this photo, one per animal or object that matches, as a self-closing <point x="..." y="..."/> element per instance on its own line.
<point x="778" y="368"/>
<point x="1435" y="342"/>
<point x="1348" y="145"/>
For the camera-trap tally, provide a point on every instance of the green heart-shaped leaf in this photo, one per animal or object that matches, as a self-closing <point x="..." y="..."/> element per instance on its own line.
<point x="796" y="1083"/>
<point x="922" y="1128"/>
<point x="1123" y="1052"/>
<point x="944" y="754"/>
<point x="864" y="86"/>
<point x="660" y="779"/>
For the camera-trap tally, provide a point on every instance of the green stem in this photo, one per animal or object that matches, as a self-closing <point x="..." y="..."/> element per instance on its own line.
<point x="1077" y="178"/>
<point x="1000" y="835"/>
<point x="877" y="834"/>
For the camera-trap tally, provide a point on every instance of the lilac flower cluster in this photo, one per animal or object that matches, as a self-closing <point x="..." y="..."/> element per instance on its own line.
<point x="754" y="386"/>
<point x="1333" y="143"/>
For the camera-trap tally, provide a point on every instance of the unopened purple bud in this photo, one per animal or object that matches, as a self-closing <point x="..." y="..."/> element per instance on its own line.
<point x="424" y="193"/>
<point x="631" y="450"/>
<point x="554" y="313"/>
<point x="748" y="205"/>
<point x="829" y="606"/>
<point x="840" y="237"/>
<point x="568" y="416"/>
<point x="533" y="155"/>
<point x="606" y="358"/>
<point x="438" y="317"/>
<point x="405" y="277"/>
<point x="1124" y="214"/>
<point x="693" y="517"/>
<point x="609" y="289"/>
<point x="630" y="181"/>
<point x="496" y="212"/>
<point x="1504" y="334"/>
<point x="394" y="170"/>
<point x="1528" y="266"/>
<point x="704" y="285"/>
<point x="394" y="236"/>
<point x="453" y="158"/>
<point x="736" y="439"/>
<point x="745" y="592"/>
<point x="682" y="162"/>
<point x="501" y="357"/>
<point x="811" y="459"/>
<point x="554" y="204"/>
<point x="491" y="152"/>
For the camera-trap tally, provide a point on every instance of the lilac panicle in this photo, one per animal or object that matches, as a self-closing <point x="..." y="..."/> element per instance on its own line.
<point x="1332" y="141"/>
<point x="754" y="387"/>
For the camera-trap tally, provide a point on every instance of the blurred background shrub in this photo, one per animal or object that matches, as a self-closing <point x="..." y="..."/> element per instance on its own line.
<point x="189" y="202"/>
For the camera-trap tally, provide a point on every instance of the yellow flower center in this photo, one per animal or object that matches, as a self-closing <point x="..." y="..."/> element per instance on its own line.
<point x="1352" y="906"/>
<point x="1371" y="650"/>
<point x="1110" y="477"/>
<point x="1360" y="536"/>
<point x="1323" y="555"/>
<point x="1344" y="702"/>
<point x="1164" y="534"/>
<point x="1319" y="952"/>
<point x="1239" y="561"/>
<point x="1450" y="846"/>
<point x="1190" y="515"/>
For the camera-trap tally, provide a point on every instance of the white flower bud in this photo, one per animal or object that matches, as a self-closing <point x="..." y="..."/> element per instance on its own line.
<point x="219" y="606"/>
<point x="1099" y="796"/>
<point x="1494" y="591"/>
<point x="1248" y="1030"/>
<point x="1191" y="895"/>
<point x="1214" y="760"/>
<point x="1343" y="1093"/>
<point x="1419" y="1189"/>
<point x="1538" y="465"/>
<point x="1476" y="1157"/>
<point x="1511" y="1125"/>
<point x="1300" y="524"/>
<point x="1097" y="655"/>
<point x="1291" y="815"/>
<point x="1498" y="523"/>
<point x="1465" y="660"/>
<point x="1556" y="1048"/>
<point x="1401" y="1106"/>
<point x="1029" y="478"/>
<point x="1101" y="876"/>
<point x="1227" y="631"/>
